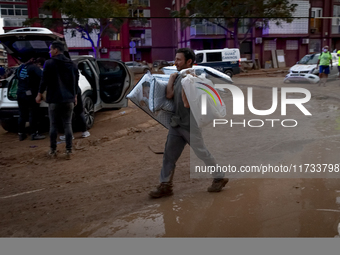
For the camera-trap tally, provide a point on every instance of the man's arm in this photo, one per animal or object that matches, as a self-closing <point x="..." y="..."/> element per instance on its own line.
<point x="185" y="99"/>
<point x="43" y="82"/>
<point x="77" y="89"/>
<point x="76" y="72"/>
<point x="170" y="86"/>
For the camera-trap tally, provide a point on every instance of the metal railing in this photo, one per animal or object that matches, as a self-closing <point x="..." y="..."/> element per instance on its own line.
<point x="206" y="29"/>
<point x="144" y="42"/>
<point x="139" y="23"/>
<point x="335" y="29"/>
<point x="13" y="22"/>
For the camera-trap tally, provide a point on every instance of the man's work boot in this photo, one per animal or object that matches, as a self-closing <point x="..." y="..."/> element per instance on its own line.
<point x="68" y="154"/>
<point x="52" y="153"/>
<point x="217" y="185"/>
<point x="164" y="189"/>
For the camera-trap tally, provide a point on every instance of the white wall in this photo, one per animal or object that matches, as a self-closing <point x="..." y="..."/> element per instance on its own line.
<point x="1" y="26"/>
<point x="298" y="26"/>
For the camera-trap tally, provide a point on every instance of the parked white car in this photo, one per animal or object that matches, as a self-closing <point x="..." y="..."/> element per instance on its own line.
<point x="305" y="70"/>
<point x="136" y="67"/>
<point x="104" y="83"/>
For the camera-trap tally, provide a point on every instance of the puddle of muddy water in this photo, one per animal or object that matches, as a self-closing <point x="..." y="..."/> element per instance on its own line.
<point x="246" y="208"/>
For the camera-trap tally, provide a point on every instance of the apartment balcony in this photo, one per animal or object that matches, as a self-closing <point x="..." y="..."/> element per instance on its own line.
<point x="140" y="23"/>
<point x="206" y="29"/>
<point x="144" y="3"/>
<point x="144" y="44"/>
<point x="335" y="25"/>
<point x="335" y="29"/>
<point x="13" y="22"/>
<point x="141" y="42"/>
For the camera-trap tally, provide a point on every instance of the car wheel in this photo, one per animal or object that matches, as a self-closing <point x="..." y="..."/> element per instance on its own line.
<point x="88" y="111"/>
<point x="10" y="125"/>
<point x="229" y="73"/>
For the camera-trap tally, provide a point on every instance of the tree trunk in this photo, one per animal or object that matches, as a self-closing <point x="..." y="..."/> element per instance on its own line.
<point x="97" y="53"/>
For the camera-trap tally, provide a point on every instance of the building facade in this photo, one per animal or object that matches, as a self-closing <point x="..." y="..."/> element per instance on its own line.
<point x="157" y="36"/>
<point x="318" y="25"/>
<point x="149" y="34"/>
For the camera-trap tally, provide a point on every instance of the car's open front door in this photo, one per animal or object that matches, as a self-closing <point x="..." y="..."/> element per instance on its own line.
<point x="115" y="82"/>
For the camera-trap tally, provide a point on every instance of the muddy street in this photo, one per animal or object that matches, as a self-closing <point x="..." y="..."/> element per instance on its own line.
<point x="103" y="190"/>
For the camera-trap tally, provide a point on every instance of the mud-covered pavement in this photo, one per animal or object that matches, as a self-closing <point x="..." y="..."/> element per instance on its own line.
<point x="102" y="191"/>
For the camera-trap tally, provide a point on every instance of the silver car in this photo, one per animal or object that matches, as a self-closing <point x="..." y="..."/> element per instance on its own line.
<point x="136" y="67"/>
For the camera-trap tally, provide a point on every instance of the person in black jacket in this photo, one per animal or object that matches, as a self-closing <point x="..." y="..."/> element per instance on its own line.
<point x="60" y="80"/>
<point x="28" y="75"/>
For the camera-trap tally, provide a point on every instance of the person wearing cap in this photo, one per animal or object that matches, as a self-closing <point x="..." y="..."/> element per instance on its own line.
<point x="325" y="59"/>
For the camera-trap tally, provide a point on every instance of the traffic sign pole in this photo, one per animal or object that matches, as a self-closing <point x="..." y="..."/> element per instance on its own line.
<point x="132" y="49"/>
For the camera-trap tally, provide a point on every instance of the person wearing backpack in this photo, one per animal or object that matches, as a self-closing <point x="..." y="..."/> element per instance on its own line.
<point x="325" y="59"/>
<point x="28" y="76"/>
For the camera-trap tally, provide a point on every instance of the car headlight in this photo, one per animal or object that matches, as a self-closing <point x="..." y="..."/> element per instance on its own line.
<point x="314" y="71"/>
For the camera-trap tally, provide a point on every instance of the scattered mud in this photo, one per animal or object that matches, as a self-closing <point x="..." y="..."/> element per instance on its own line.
<point x="102" y="191"/>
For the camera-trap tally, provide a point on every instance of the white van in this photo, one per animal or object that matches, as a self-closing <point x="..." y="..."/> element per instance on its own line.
<point x="224" y="60"/>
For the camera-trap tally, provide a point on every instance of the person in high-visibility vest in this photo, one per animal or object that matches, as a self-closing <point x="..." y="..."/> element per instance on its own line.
<point x="325" y="59"/>
<point x="338" y="54"/>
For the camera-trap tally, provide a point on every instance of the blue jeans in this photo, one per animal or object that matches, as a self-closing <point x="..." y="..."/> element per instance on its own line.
<point x="177" y="139"/>
<point x="63" y="111"/>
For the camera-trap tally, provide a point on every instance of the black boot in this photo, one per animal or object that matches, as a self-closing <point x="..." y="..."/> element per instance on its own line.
<point x="164" y="189"/>
<point x="217" y="185"/>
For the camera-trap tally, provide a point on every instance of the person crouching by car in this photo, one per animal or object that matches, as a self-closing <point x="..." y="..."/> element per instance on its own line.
<point x="325" y="59"/>
<point x="28" y="75"/>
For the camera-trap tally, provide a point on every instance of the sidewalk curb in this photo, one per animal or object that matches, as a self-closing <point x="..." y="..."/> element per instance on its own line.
<point x="265" y="72"/>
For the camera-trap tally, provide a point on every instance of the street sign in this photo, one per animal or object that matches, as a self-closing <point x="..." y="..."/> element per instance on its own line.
<point x="132" y="50"/>
<point x="132" y="45"/>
